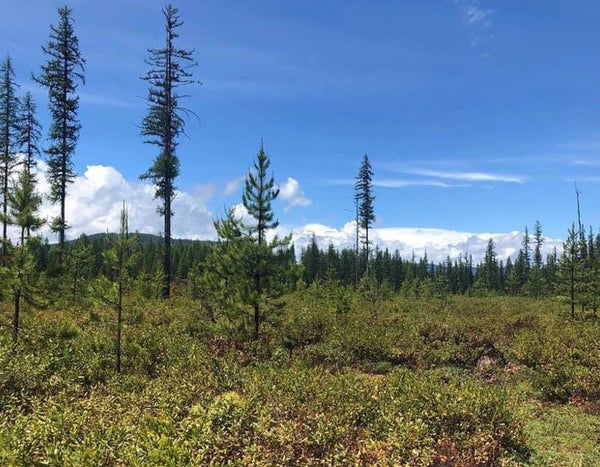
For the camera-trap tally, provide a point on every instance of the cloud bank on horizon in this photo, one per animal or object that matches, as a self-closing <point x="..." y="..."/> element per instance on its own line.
<point x="95" y="199"/>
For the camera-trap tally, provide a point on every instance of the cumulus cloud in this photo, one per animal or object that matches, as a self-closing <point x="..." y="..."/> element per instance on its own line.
<point x="95" y="199"/>
<point x="438" y="243"/>
<point x="291" y="193"/>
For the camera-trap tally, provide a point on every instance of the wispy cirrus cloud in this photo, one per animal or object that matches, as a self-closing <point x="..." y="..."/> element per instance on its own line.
<point x="400" y="183"/>
<point x="476" y="17"/>
<point x="394" y="183"/>
<point x="586" y="163"/>
<point x="587" y="179"/>
<point x="467" y="176"/>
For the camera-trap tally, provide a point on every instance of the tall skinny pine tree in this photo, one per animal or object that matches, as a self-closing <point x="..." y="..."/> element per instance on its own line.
<point x="164" y="123"/>
<point x="9" y="134"/>
<point x="61" y="76"/>
<point x="366" y="210"/>
<point x="30" y="134"/>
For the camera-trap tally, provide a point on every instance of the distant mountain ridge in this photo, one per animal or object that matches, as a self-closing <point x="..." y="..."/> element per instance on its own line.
<point x="145" y="238"/>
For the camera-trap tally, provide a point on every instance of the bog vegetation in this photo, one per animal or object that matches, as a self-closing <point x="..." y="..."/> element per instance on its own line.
<point x="129" y="349"/>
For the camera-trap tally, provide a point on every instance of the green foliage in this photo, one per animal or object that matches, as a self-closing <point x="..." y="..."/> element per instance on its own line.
<point x="365" y="199"/>
<point x="61" y="75"/>
<point x="24" y="203"/>
<point x="9" y="134"/>
<point x="165" y="122"/>
<point x="246" y="272"/>
<point x="329" y="382"/>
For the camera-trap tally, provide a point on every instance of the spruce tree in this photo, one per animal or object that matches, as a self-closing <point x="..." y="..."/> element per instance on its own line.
<point x="364" y="195"/>
<point x="165" y="122"/>
<point x="9" y="134"/>
<point x="61" y="75"/>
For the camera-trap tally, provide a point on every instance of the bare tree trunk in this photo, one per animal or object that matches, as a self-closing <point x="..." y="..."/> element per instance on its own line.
<point x="572" y="292"/>
<point x="119" y="324"/>
<point x="17" y="303"/>
<point x="5" y="212"/>
<point x="356" y="261"/>
<point x="166" y="288"/>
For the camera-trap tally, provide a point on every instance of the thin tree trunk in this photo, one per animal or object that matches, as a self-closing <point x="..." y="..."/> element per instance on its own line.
<point x="256" y="320"/>
<point x="367" y="250"/>
<point x="356" y="260"/>
<point x="119" y="324"/>
<point x="5" y="212"/>
<point x="166" y="289"/>
<point x="63" y="168"/>
<point x="17" y="303"/>
<point x="572" y="292"/>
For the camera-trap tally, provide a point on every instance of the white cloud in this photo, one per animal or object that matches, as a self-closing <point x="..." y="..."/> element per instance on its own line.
<point x="438" y="243"/>
<point x="232" y="185"/>
<point x="95" y="198"/>
<point x="468" y="176"/>
<point x="395" y="183"/>
<point x="291" y="193"/>
<point x="476" y="17"/>
<point x="587" y="179"/>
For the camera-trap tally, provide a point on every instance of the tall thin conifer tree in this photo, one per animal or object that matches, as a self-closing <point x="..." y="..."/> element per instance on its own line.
<point x="9" y="134"/>
<point x="61" y="75"/>
<point x="165" y="122"/>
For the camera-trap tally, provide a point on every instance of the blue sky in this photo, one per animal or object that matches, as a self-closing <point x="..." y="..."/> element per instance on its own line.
<point x="477" y="115"/>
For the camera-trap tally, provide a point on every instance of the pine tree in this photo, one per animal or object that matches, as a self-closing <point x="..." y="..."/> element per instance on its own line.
<point x="20" y="276"/>
<point x="311" y="258"/>
<point x="259" y="193"/>
<point x="165" y="122"/>
<point x="366" y="211"/>
<point x="119" y="258"/>
<point x="487" y="274"/>
<point x="24" y="203"/>
<point x="568" y="267"/>
<point x="536" y="284"/>
<point x="78" y="264"/>
<point x="9" y="134"/>
<point x="61" y="76"/>
<point x="538" y="239"/>
<point x="30" y="134"/>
